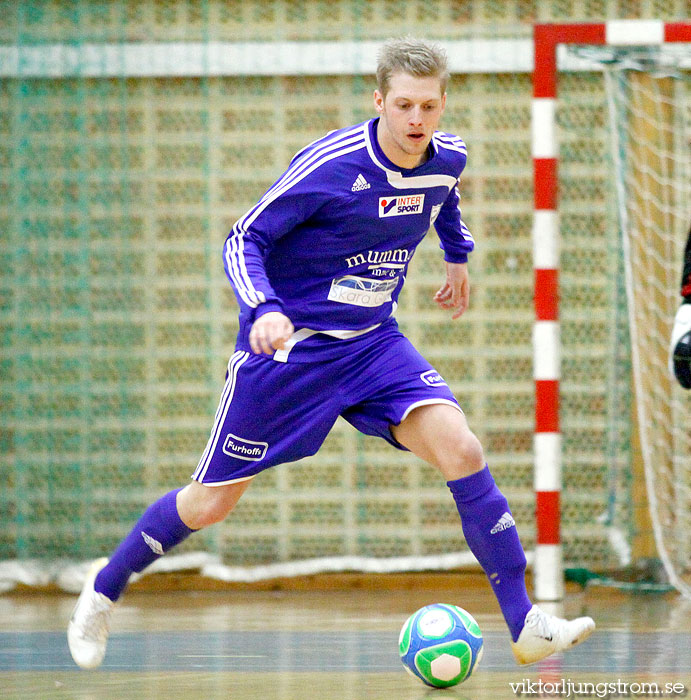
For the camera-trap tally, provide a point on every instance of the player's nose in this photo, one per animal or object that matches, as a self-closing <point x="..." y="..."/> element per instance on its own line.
<point x="415" y="118"/>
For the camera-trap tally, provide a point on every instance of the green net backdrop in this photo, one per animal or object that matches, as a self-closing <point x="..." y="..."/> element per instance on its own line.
<point x="117" y="321"/>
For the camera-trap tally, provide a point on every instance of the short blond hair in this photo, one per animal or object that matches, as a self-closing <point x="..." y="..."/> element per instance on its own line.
<point x="414" y="57"/>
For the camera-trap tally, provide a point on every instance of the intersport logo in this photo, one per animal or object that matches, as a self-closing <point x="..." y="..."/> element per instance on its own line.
<point x="401" y="205"/>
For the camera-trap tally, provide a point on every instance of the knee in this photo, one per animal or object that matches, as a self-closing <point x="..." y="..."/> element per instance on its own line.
<point x="469" y="456"/>
<point x="472" y="450"/>
<point x="459" y="455"/>
<point x="201" y="506"/>
<point x="210" y="510"/>
<point x="440" y="435"/>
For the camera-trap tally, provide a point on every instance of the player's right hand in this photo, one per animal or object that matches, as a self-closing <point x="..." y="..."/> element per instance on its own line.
<point x="270" y="332"/>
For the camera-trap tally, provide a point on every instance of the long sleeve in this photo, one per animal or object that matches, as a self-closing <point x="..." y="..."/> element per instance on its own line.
<point x="455" y="239"/>
<point x="291" y="201"/>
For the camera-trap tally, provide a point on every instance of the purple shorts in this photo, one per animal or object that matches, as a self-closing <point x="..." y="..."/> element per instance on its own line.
<point x="273" y="412"/>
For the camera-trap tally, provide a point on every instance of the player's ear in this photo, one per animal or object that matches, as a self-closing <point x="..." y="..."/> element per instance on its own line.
<point x="443" y="102"/>
<point x="378" y="101"/>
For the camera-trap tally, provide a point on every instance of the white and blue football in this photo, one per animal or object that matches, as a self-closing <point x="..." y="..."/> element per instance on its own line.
<point x="441" y="645"/>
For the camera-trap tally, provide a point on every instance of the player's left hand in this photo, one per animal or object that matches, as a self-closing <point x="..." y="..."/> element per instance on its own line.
<point x="455" y="293"/>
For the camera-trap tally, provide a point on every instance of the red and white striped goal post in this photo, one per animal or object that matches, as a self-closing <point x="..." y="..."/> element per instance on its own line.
<point x="548" y="578"/>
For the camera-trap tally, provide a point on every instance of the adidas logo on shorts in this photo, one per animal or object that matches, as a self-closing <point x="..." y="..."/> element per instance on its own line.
<point x="360" y="184"/>
<point x="504" y="523"/>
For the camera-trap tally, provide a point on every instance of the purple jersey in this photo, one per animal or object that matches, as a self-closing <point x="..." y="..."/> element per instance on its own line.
<point x="330" y="242"/>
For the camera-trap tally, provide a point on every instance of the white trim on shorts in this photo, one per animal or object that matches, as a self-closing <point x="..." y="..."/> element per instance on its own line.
<point x="225" y="483"/>
<point x="237" y="359"/>
<point x="428" y="402"/>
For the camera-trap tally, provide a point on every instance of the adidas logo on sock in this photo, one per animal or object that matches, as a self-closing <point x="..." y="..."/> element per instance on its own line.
<point x="360" y="184"/>
<point x="504" y="523"/>
<point x="154" y="545"/>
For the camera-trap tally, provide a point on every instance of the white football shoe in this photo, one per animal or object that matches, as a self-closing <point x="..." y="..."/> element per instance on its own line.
<point x="544" y="634"/>
<point x="87" y="632"/>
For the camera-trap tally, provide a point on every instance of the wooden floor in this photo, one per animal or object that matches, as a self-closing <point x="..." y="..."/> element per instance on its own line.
<point x="333" y="639"/>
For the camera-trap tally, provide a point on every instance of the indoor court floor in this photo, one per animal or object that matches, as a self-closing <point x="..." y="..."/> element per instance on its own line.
<point x="333" y="639"/>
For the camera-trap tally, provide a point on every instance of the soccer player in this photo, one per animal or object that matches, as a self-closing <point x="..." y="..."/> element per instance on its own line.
<point x="317" y="266"/>
<point x="680" y="342"/>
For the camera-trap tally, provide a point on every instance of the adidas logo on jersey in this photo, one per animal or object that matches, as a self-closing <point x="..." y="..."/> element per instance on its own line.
<point x="504" y="523"/>
<point x="360" y="184"/>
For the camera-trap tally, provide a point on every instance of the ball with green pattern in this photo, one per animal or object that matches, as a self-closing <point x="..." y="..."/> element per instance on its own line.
<point x="440" y="644"/>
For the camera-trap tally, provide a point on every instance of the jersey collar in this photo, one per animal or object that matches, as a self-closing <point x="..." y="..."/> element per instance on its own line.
<point x="404" y="178"/>
<point x="380" y="158"/>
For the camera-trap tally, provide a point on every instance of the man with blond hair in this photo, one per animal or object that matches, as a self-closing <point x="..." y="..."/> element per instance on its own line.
<point x="317" y="266"/>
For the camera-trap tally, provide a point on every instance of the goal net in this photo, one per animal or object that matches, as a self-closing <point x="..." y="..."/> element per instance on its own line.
<point x="649" y="114"/>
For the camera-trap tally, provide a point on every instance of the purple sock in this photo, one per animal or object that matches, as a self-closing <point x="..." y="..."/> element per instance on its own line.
<point x="490" y="532"/>
<point x="158" y="530"/>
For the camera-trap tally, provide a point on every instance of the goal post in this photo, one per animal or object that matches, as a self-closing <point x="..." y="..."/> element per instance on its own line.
<point x="547" y="566"/>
